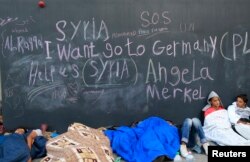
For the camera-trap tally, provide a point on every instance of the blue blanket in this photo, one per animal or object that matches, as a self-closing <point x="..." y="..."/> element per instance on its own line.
<point x="151" y="138"/>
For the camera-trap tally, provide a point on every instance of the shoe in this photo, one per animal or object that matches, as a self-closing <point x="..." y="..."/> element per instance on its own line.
<point x="184" y="151"/>
<point x="177" y="157"/>
<point x="205" y="146"/>
<point x="189" y="157"/>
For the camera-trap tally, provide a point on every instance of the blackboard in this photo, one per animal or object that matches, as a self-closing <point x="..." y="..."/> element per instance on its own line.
<point x="112" y="62"/>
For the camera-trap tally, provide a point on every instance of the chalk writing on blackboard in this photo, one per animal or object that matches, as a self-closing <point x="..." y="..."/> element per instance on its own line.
<point x="122" y="61"/>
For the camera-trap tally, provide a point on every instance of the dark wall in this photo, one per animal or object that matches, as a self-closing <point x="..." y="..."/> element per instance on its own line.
<point x="111" y="62"/>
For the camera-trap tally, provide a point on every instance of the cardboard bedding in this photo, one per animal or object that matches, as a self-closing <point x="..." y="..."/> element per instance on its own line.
<point x="79" y="144"/>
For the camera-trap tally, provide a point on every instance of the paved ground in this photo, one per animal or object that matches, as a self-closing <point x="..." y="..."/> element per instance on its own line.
<point x="197" y="158"/>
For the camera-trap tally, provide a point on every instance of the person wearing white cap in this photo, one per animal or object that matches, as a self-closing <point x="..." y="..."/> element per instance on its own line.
<point x="217" y="127"/>
<point x="239" y="116"/>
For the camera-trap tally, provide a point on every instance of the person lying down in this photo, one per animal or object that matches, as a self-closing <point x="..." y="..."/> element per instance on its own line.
<point x="23" y="145"/>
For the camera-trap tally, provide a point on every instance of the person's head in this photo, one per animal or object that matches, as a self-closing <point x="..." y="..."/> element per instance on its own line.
<point x="215" y="102"/>
<point x="170" y="122"/>
<point x="241" y="100"/>
<point x="44" y="127"/>
<point x="214" y="99"/>
<point x="2" y="130"/>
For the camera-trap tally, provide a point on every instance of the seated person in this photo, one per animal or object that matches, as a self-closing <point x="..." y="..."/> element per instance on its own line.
<point x="239" y="116"/>
<point x="217" y="126"/>
<point x="189" y="131"/>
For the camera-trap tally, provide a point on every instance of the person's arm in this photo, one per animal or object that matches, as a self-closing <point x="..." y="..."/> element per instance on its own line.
<point x="30" y="138"/>
<point x="233" y="117"/>
<point x="30" y="160"/>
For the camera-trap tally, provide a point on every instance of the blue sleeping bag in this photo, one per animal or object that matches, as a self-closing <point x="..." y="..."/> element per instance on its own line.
<point x="146" y="141"/>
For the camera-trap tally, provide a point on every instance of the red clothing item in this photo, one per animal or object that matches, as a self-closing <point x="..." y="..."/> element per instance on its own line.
<point x="212" y="109"/>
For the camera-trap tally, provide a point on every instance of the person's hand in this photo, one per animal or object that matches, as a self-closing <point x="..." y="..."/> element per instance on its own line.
<point x="20" y="131"/>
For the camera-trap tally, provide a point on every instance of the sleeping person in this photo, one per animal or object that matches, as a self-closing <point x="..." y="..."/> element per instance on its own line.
<point x="23" y="146"/>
